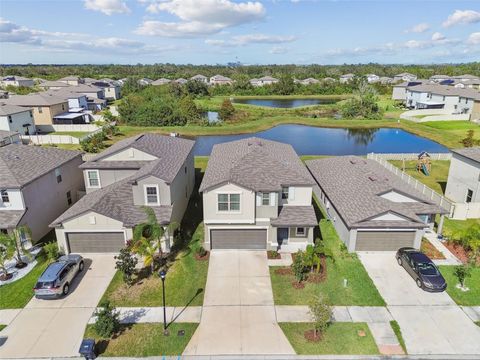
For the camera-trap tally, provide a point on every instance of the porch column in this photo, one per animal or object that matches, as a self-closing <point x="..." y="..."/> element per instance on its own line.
<point x="440" y="225"/>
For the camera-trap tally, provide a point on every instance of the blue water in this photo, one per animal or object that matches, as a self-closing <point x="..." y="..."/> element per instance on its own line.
<point x="285" y="103"/>
<point x="309" y="140"/>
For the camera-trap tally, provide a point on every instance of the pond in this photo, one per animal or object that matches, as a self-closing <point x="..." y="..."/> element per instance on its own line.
<point x="212" y="116"/>
<point x="310" y="140"/>
<point x="286" y="102"/>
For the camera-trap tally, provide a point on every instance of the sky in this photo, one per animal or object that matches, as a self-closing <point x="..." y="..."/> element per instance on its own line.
<point x="251" y="32"/>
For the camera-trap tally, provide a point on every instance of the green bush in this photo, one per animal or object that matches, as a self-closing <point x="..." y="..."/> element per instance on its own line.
<point x="201" y="252"/>
<point x="107" y="323"/>
<point x="226" y="110"/>
<point x="298" y="266"/>
<point x="363" y="105"/>
<point x="321" y="314"/>
<point x="93" y="143"/>
<point x="462" y="272"/>
<point x="126" y="263"/>
<point x="51" y="251"/>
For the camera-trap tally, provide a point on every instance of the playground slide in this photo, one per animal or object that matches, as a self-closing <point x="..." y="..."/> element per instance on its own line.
<point x="425" y="170"/>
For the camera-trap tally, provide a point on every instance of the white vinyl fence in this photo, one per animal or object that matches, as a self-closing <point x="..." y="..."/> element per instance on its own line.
<point x="409" y="156"/>
<point x="50" y="139"/>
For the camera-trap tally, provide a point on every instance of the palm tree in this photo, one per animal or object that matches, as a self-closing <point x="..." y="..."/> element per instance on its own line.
<point x="7" y="250"/>
<point x="14" y="239"/>
<point x="147" y="249"/>
<point x="323" y="250"/>
<point x="311" y="258"/>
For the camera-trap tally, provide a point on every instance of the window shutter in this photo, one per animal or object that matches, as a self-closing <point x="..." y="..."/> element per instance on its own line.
<point x="272" y="199"/>
<point x="259" y="199"/>
<point x="291" y="193"/>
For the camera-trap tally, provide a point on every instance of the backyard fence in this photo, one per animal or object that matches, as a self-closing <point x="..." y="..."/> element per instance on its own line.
<point x="50" y="139"/>
<point x="409" y="156"/>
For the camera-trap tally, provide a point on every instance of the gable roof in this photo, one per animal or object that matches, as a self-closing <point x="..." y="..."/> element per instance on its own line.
<point x="21" y="164"/>
<point x="256" y="164"/>
<point x="38" y="99"/>
<point x="446" y="90"/>
<point x="354" y="185"/>
<point x="6" y="109"/>
<point x="472" y="153"/>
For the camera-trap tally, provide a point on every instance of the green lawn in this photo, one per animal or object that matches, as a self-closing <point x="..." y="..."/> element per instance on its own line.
<point x="451" y="227"/>
<point x="339" y="339"/>
<point x="141" y="340"/>
<point x="466" y="298"/>
<point x="360" y="289"/>
<point x="17" y="294"/>
<point x="398" y="333"/>
<point x="2" y="327"/>
<point x="437" y="180"/>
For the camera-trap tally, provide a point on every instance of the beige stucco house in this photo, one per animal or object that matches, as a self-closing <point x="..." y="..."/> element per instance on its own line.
<point x="37" y="184"/>
<point x="146" y="170"/>
<point x="257" y="194"/>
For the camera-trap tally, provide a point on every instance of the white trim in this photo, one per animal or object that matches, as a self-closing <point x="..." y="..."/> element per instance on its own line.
<point x="385" y="229"/>
<point x="248" y="222"/>
<point x="98" y="179"/>
<point x="145" y="186"/>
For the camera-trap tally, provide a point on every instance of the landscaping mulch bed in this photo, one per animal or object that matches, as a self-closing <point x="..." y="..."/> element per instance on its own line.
<point x="460" y="252"/>
<point x="311" y="336"/>
<point x="283" y="271"/>
<point x="320" y="276"/>
<point x="273" y="255"/>
<point x="298" y="285"/>
<point x="431" y="251"/>
<point x="202" y="258"/>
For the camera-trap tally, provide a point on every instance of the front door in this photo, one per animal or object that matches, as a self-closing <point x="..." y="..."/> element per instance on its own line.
<point x="282" y="236"/>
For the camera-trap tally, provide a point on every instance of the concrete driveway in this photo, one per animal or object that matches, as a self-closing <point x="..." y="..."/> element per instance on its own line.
<point x="54" y="328"/>
<point x="431" y="323"/>
<point x="238" y="316"/>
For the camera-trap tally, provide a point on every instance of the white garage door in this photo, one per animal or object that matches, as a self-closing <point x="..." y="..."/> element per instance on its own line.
<point x="95" y="242"/>
<point x="384" y="240"/>
<point x="238" y="239"/>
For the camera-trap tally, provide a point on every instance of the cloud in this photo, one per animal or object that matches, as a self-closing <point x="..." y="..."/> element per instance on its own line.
<point x="419" y="28"/>
<point x="108" y="7"/>
<point x="438" y="36"/>
<point x="242" y="40"/>
<point x="474" y="38"/>
<point x="199" y="17"/>
<point x="462" y="17"/>
<point x="278" y="50"/>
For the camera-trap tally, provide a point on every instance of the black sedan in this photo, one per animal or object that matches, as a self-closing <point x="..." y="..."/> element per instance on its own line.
<point x="422" y="269"/>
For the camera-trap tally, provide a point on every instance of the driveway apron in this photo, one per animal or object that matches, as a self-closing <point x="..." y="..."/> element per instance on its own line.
<point x="238" y="316"/>
<point x="55" y="327"/>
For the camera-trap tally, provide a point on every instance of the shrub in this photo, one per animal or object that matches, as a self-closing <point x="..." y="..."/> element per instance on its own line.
<point x="126" y="263"/>
<point x="107" y="322"/>
<point x="469" y="141"/>
<point x="363" y="104"/>
<point x="298" y="266"/>
<point x="52" y="251"/>
<point x="226" y="110"/>
<point x="321" y="314"/>
<point x="462" y="272"/>
<point x="93" y="143"/>
<point x="201" y="252"/>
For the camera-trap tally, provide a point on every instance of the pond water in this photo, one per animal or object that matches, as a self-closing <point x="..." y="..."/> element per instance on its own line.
<point x="286" y="103"/>
<point x="309" y="140"/>
<point x="212" y="116"/>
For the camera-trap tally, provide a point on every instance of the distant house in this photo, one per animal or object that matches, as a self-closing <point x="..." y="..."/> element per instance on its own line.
<point x="253" y="82"/>
<point x="438" y="78"/>
<point x="144" y="81"/>
<point x="384" y="80"/>
<point x="16" y="81"/>
<point x="266" y="80"/>
<point x="465" y="77"/>
<point x="371" y="208"/>
<point x="110" y="88"/>
<point x="9" y="137"/>
<point x="346" y="78"/>
<point x="72" y="80"/>
<point x="200" y="78"/>
<point x="372" y="78"/>
<point x="16" y="119"/>
<point x="404" y="77"/>
<point x="161" y="81"/>
<point x="467" y="84"/>
<point x="37" y="184"/>
<point x="181" y="81"/>
<point x="75" y="100"/>
<point x="95" y="96"/>
<point x="53" y="85"/>
<point x="220" y="80"/>
<point x="329" y="80"/>
<point x="399" y="92"/>
<point x="309" y="81"/>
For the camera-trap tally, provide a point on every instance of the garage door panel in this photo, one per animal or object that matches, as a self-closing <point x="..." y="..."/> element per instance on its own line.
<point x="95" y="242"/>
<point x="255" y="239"/>
<point x="384" y="240"/>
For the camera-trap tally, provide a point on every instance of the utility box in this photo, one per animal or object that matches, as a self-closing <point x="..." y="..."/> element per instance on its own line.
<point x="87" y="349"/>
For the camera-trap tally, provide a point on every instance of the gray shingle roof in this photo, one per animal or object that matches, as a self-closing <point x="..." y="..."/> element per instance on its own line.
<point x="38" y="99"/>
<point x="171" y="152"/>
<point x="472" y="153"/>
<point x="296" y="216"/>
<point x="21" y="164"/>
<point x="256" y="164"/>
<point x="354" y="186"/>
<point x="446" y="90"/>
<point x="115" y="201"/>
<point x="113" y="164"/>
<point x="10" y="218"/>
<point x="6" y="109"/>
<point x="4" y="134"/>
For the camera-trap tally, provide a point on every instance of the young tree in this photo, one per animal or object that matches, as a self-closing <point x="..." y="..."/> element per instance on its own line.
<point x="364" y="104"/>
<point x="7" y="250"/>
<point x="196" y="88"/>
<point x="188" y="109"/>
<point x="321" y="314"/>
<point x="462" y="272"/>
<point x="226" y="110"/>
<point x="107" y="323"/>
<point x="311" y="258"/>
<point x="14" y="239"/>
<point x="126" y="263"/>
<point x="469" y="141"/>
<point x="285" y="85"/>
<point x="298" y="266"/>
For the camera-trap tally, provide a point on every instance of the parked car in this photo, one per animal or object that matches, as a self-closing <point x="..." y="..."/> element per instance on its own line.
<point x="56" y="279"/>
<point x="422" y="269"/>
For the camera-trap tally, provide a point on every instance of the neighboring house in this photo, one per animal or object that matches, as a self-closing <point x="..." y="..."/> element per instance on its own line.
<point x="9" y="137"/>
<point x="37" y="184"/>
<point x="309" y="81"/>
<point x="465" y="77"/>
<point x="44" y="105"/>
<point x="372" y="78"/>
<point x="371" y="208"/>
<point x="439" y="78"/>
<point x="329" y="80"/>
<point x="16" y="119"/>
<point x="467" y="84"/>
<point x="110" y="88"/>
<point x="146" y="170"/>
<point x="346" y="78"/>
<point x="257" y="194"/>
<point x="53" y="85"/>
<point x="385" y="80"/>
<point x="161" y="81"/>
<point x="144" y="81"/>
<point x="399" y="91"/>
<point x="75" y="100"/>
<point x="181" y="81"/>
<point x="220" y="80"/>
<point x="72" y="80"/>
<point x="16" y="81"/>
<point x="253" y="82"/>
<point x="404" y="77"/>
<point x="89" y="90"/>
<point x="265" y="80"/>
<point x="200" y="78"/>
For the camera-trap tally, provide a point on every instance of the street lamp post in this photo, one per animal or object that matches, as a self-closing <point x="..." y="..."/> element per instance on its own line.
<point x="162" y="276"/>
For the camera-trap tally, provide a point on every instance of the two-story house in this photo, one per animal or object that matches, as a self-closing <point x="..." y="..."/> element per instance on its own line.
<point x="16" y="81"/>
<point x="220" y="80"/>
<point x="145" y="170"/>
<point x="37" y="184"/>
<point x="17" y="119"/>
<point x="257" y="194"/>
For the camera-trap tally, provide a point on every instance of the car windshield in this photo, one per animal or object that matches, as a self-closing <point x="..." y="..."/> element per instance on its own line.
<point x="427" y="269"/>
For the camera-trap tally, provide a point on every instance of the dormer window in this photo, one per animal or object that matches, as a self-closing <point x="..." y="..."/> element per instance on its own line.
<point x="151" y="195"/>
<point x="5" y="197"/>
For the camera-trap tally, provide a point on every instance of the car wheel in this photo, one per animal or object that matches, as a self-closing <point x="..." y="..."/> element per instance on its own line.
<point x="81" y="266"/>
<point x="66" y="289"/>
<point x="399" y="260"/>
<point x="419" y="283"/>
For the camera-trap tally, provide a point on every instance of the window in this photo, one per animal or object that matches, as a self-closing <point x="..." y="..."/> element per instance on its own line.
<point x="266" y="199"/>
<point x="40" y="110"/>
<point x="69" y="197"/>
<point x="151" y="195"/>
<point x="469" y="196"/>
<point x="228" y="202"/>
<point x="5" y="197"/>
<point x="185" y="169"/>
<point x="10" y="119"/>
<point x="300" y="231"/>
<point x="284" y="193"/>
<point x="93" y="179"/>
<point x="58" y="175"/>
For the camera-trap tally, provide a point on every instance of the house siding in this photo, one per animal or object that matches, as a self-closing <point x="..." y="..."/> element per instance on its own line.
<point x="464" y="174"/>
<point x="18" y="120"/>
<point x="107" y="177"/>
